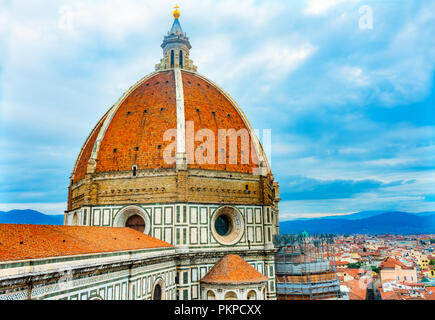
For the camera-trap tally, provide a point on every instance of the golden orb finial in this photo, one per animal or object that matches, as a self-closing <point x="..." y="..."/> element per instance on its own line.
<point x="176" y="13"/>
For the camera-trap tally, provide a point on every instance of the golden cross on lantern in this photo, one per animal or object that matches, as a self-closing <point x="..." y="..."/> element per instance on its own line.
<point x="176" y="12"/>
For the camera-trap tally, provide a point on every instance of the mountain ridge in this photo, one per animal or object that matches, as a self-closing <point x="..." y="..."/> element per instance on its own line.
<point x="29" y="216"/>
<point x="373" y="222"/>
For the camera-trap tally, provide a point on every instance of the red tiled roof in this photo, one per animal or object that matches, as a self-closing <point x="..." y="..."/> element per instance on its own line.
<point x="233" y="269"/>
<point x="355" y="272"/>
<point x="137" y="128"/>
<point x="391" y="263"/>
<point x="140" y="122"/>
<point x="25" y="241"/>
<point x="340" y="263"/>
<point x="410" y="284"/>
<point x="357" y="289"/>
<point x="389" y="295"/>
<point x="431" y="295"/>
<point x="209" y="109"/>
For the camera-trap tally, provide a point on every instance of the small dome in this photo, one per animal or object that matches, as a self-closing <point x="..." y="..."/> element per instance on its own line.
<point x="233" y="269"/>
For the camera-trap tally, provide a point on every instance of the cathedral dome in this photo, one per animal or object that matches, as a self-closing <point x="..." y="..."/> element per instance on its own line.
<point x="172" y="118"/>
<point x="173" y="136"/>
<point x="132" y="133"/>
<point x="175" y="158"/>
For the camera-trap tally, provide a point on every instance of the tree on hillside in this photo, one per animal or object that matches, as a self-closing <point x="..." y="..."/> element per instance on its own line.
<point x="355" y="265"/>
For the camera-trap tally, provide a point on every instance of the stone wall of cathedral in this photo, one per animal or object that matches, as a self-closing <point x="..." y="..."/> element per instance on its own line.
<point x="190" y="228"/>
<point x="81" y="278"/>
<point x="185" y="224"/>
<point x="165" y="185"/>
<point x="192" y="268"/>
<point x="111" y="276"/>
<point x="181" y="208"/>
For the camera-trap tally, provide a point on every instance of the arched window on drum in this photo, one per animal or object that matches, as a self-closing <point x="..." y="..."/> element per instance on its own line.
<point x="211" y="295"/>
<point x="136" y="222"/>
<point x="231" y="295"/>
<point x="157" y="295"/>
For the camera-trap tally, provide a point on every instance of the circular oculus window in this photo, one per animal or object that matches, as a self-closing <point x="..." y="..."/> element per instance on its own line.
<point x="133" y="217"/>
<point x="227" y="225"/>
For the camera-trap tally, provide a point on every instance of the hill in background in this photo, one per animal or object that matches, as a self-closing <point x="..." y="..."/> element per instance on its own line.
<point x="29" y="217"/>
<point x="366" y="222"/>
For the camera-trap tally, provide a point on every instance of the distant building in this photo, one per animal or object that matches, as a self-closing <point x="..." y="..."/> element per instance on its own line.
<point x="424" y="262"/>
<point x="393" y="270"/>
<point x="354" y="289"/>
<point x="407" y="243"/>
<point x="396" y="290"/>
<point x="305" y="269"/>
<point x="350" y="274"/>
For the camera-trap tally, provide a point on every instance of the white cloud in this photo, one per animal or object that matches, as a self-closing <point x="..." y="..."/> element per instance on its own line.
<point x="409" y="61"/>
<point x="249" y="13"/>
<point x="275" y="60"/>
<point x="389" y="162"/>
<point x="287" y="149"/>
<point x="364" y="202"/>
<point x="316" y="7"/>
<point x="354" y="75"/>
<point x="271" y="61"/>
<point x="291" y="216"/>
<point x="352" y="150"/>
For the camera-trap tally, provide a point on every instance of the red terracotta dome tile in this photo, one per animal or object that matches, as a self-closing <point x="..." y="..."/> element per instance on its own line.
<point x="209" y="109"/>
<point x="137" y="128"/>
<point x="134" y="135"/>
<point x="24" y="241"/>
<point x="233" y="269"/>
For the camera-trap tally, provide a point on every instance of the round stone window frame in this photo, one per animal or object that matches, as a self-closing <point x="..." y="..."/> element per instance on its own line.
<point x="237" y="225"/>
<point x="122" y="216"/>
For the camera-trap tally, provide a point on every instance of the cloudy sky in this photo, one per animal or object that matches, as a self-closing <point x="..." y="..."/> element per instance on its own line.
<point x="350" y="100"/>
